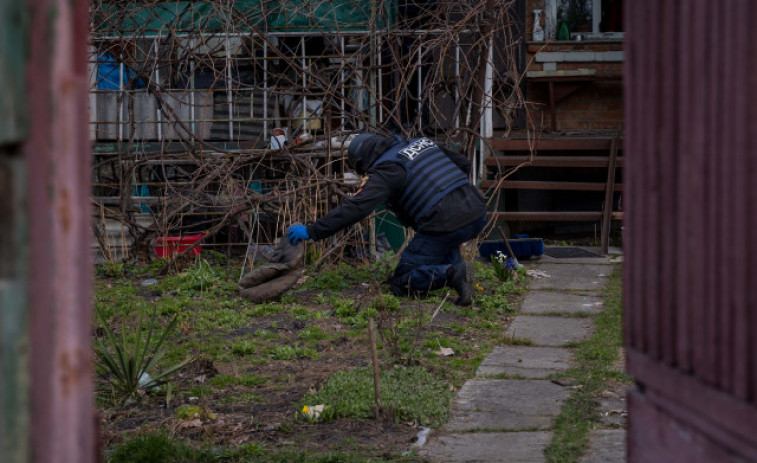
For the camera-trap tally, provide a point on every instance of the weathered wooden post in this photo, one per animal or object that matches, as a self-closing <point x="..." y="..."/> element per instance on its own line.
<point x="46" y="402"/>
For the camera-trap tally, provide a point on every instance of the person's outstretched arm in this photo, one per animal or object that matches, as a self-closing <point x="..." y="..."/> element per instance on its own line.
<point x="383" y="181"/>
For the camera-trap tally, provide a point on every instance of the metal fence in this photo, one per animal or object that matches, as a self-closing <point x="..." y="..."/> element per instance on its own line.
<point x="235" y="123"/>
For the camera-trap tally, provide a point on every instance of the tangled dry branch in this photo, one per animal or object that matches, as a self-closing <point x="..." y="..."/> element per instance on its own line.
<point x="230" y="117"/>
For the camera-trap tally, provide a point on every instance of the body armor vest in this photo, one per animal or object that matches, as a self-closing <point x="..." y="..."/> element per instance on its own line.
<point x="431" y="175"/>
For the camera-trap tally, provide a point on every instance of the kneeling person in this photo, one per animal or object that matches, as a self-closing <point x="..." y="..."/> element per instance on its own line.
<point x="427" y="188"/>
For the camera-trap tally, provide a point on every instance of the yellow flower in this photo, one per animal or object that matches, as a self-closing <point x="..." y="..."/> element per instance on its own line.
<point x="305" y="409"/>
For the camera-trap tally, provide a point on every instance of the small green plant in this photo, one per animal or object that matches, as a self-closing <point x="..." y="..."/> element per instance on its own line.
<point x="320" y="413"/>
<point x="200" y="277"/>
<point x="412" y="393"/>
<point x="503" y="266"/>
<point x="158" y="448"/>
<point x="312" y="333"/>
<point x="200" y="390"/>
<point x="112" y="269"/>
<point x="327" y="280"/>
<point x="125" y="364"/>
<point x="292" y="353"/>
<point x="401" y="328"/>
<point x="344" y="308"/>
<point x="243" y="347"/>
<point x="301" y="313"/>
<point x="189" y="412"/>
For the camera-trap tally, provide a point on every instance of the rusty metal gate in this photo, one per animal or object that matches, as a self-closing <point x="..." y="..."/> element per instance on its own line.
<point x="691" y="269"/>
<point x="46" y="398"/>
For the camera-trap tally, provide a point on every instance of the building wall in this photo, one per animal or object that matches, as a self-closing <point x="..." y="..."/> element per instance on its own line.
<point x="595" y="105"/>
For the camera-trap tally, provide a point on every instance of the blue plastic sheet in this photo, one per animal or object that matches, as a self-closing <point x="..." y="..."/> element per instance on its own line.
<point x="109" y="74"/>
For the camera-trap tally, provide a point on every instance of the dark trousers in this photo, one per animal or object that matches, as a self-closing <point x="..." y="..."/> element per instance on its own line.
<point x="424" y="262"/>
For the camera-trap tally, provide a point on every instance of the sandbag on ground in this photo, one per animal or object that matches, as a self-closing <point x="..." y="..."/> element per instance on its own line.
<point x="271" y="280"/>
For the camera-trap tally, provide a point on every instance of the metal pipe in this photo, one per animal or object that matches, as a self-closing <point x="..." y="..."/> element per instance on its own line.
<point x="265" y="88"/>
<point x="228" y="88"/>
<point x="157" y="83"/>
<point x="380" y="86"/>
<point x="344" y="80"/>
<point x="123" y="99"/>
<point x="192" y="89"/>
<point x="457" y="85"/>
<point x="419" y="86"/>
<point x="304" y="87"/>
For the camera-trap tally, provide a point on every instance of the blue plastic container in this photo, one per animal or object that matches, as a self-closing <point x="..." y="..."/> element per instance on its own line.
<point x="523" y="248"/>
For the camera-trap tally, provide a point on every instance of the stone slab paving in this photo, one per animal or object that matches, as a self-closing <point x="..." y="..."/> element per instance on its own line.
<point x="503" y="404"/>
<point x="528" y="362"/>
<point x="606" y="446"/>
<point x="613" y="409"/>
<point x="525" y="447"/>
<point x="572" y="277"/>
<point x="546" y="302"/>
<point x="550" y="331"/>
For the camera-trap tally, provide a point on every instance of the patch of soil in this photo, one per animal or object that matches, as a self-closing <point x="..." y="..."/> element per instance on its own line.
<point x="281" y="322"/>
<point x="236" y="414"/>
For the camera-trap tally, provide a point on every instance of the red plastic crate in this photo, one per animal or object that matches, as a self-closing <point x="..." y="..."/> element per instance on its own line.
<point x="167" y="246"/>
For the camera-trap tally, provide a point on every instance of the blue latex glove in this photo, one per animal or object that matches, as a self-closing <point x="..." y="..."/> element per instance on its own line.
<point x="297" y="233"/>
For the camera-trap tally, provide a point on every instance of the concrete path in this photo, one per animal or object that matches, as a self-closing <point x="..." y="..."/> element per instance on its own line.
<point x="507" y="412"/>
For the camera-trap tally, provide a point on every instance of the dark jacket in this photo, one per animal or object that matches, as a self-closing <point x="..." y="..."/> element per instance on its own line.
<point x="385" y="185"/>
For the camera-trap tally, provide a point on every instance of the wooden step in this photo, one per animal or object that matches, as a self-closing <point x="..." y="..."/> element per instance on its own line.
<point x="546" y="185"/>
<point x="552" y="161"/>
<point x="557" y="216"/>
<point x="552" y="144"/>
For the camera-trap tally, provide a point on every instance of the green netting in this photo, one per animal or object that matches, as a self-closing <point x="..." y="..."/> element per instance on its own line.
<point x="242" y="16"/>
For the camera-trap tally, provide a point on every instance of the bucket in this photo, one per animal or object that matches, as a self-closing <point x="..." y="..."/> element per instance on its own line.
<point x="167" y="246"/>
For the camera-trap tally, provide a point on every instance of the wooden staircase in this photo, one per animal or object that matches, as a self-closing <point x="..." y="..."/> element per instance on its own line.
<point x="558" y="153"/>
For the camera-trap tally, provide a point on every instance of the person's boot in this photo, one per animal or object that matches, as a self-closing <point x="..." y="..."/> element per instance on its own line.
<point x="460" y="278"/>
<point x="398" y="286"/>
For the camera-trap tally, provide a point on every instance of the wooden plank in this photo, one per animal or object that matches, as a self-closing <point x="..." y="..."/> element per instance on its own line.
<point x="684" y="178"/>
<point x="727" y="178"/>
<point x="705" y="404"/>
<point x="631" y="331"/>
<point x="544" y="185"/>
<point x="697" y="188"/>
<point x="14" y="320"/>
<point x="609" y="193"/>
<point x="661" y="431"/>
<point x="717" y="192"/>
<point x="668" y="166"/>
<point x="738" y="356"/>
<point x="552" y="161"/>
<point x="745" y="315"/>
<point x="13" y="51"/>
<point x="544" y="216"/>
<point x="60" y="298"/>
<point x="552" y="144"/>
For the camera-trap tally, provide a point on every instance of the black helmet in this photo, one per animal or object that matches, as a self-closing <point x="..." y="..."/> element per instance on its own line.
<point x="365" y="148"/>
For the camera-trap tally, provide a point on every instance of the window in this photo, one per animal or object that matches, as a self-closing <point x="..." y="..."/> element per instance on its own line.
<point x="593" y="19"/>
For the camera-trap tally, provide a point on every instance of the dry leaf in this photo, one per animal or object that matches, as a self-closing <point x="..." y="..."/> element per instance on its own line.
<point x="445" y="351"/>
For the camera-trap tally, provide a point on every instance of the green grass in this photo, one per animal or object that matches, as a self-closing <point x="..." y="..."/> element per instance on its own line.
<point x="591" y="372"/>
<point x="161" y="447"/>
<point x="412" y="393"/>
<point x="314" y="323"/>
<point x="292" y="353"/>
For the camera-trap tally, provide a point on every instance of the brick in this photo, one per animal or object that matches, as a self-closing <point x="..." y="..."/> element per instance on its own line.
<point x="607" y="125"/>
<point x="580" y="115"/>
<point x="613" y="104"/>
<point x="575" y="125"/>
<point x="577" y="104"/>
<point x="614" y="115"/>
